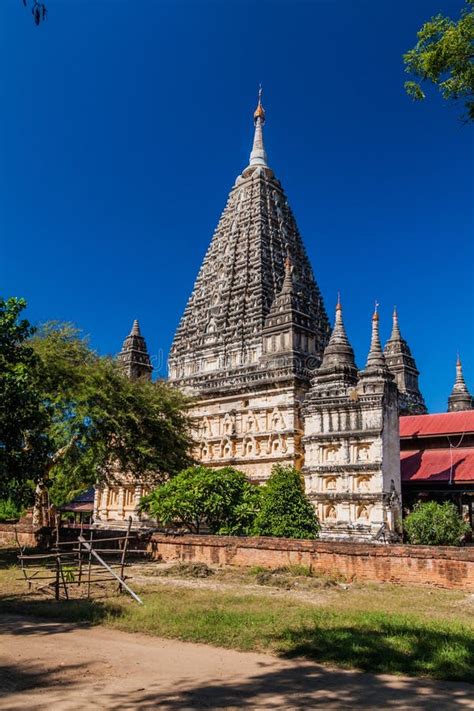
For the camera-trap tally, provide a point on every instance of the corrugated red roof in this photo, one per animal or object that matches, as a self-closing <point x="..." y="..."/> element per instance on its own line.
<point x="444" y="423"/>
<point x="431" y="465"/>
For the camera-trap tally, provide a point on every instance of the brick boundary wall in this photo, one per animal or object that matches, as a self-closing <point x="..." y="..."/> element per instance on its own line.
<point x="27" y="536"/>
<point x="443" y="566"/>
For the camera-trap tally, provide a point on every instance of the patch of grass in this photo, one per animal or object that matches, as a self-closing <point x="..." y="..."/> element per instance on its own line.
<point x="255" y="569"/>
<point x="189" y="570"/>
<point x="296" y="571"/>
<point x="370" y="641"/>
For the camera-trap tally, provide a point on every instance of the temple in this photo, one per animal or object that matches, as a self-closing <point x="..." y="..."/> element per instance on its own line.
<point x="270" y="383"/>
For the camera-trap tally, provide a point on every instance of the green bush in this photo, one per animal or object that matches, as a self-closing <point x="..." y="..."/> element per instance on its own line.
<point x="8" y="510"/>
<point x="285" y="510"/>
<point x="220" y="499"/>
<point x="433" y="524"/>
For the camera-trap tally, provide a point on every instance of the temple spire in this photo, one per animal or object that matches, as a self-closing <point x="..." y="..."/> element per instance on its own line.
<point x="376" y="358"/>
<point x="402" y="366"/>
<point x="460" y="398"/>
<point x="134" y="357"/>
<point x="396" y="335"/>
<point x="339" y="351"/>
<point x="135" y="329"/>
<point x="258" y="155"/>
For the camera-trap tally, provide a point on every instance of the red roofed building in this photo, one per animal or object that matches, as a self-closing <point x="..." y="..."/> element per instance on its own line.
<point x="437" y="459"/>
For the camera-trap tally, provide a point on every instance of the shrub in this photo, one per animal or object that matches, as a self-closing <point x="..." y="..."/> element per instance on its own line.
<point x="8" y="510"/>
<point x="285" y="510"/>
<point x="433" y="524"/>
<point x="221" y="499"/>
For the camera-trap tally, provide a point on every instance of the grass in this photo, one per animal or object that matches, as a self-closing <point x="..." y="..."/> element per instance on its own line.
<point x="364" y="628"/>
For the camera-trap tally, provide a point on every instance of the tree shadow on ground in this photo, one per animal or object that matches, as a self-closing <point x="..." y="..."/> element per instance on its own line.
<point x="386" y="646"/>
<point x="302" y="686"/>
<point x="8" y="557"/>
<point x="49" y="616"/>
<point x="15" y="677"/>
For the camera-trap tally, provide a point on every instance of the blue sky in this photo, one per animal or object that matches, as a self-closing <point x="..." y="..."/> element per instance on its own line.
<point x="125" y="122"/>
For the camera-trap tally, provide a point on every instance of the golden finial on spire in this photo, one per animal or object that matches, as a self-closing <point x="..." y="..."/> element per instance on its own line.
<point x="338" y="305"/>
<point x="259" y="112"/>
<point x="375" y="317"/>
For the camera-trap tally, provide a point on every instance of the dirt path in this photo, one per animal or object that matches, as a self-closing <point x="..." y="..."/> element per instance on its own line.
<point x="61" y="666"/>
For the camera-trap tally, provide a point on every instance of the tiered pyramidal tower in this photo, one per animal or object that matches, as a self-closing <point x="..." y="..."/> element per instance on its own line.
<point x="460" y="398"/>
<point x="403" y="368"/>
<point x="134" y="357"/>
<point x="253" y="329"/>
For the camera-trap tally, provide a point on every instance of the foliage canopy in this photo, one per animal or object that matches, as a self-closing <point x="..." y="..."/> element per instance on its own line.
<point x="100" y="421"/>
<point x="285" y="509"/>
<point x="70" y="417"/>
<point x="24" y="442"/>
<point x="433" y="524"/>
<point x="221" y="499"/>
<point x="443" y="56"/>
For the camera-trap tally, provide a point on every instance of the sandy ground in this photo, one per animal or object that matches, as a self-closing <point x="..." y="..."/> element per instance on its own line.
<point x="62" y="666"/>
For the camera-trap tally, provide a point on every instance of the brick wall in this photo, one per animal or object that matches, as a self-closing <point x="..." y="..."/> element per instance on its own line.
<point x="27" y="536"/>
<point x="425" y="565"/>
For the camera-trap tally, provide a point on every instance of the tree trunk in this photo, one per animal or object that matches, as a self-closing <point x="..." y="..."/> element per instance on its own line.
<point x="40" y="508"/>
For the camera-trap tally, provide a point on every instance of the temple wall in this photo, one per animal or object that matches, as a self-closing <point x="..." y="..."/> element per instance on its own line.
<point x="352" y="461"/>
<point x="251" y="432"/>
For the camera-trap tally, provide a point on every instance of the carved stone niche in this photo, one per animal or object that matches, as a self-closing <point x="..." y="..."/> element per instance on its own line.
<point x="251" y="424"/>
<point x="330" y="514"/>
<point x="229" y="424"/>
<point x="363" y="514"/>
<point x="363" y="453"/>
<point x="250" y="447"/>
<point x="330" y="454"/>
<point x="330" y="483"/>
<point x="277" y="422"/>
<point x="363" y="484"/>
<point x="205" y="451"/>
<point x="226" y="448"/>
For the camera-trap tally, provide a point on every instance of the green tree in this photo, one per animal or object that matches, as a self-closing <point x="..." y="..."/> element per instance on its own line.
<point x="285" y="509"/>
<point x="24" y="443"/>
<point x="433" y="524"/>
<point x="443" y="56"/>
<point x="221" y="499"/>
<point x="100" y="422"/>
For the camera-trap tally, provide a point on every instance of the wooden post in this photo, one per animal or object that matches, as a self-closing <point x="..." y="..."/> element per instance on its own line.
<point x="124" y="552"/>
<point x="81" y="540"/>
<point x="79" y="558"/>
<point x="21" y="559"/>
<point x="63" y="578"/>
<point x="56" y="581"/>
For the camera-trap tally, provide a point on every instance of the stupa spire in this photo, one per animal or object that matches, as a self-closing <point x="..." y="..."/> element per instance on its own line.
<point x="135" y="329"/>
<point x="460" y="398"/>
<point x="376" y="358"/>
<point x="460" y="383"/>
<point x="395" y="335"/>
<point x="338" y="351"/>
<point x="258" y="155"/>
<point x="402" y="366"/>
